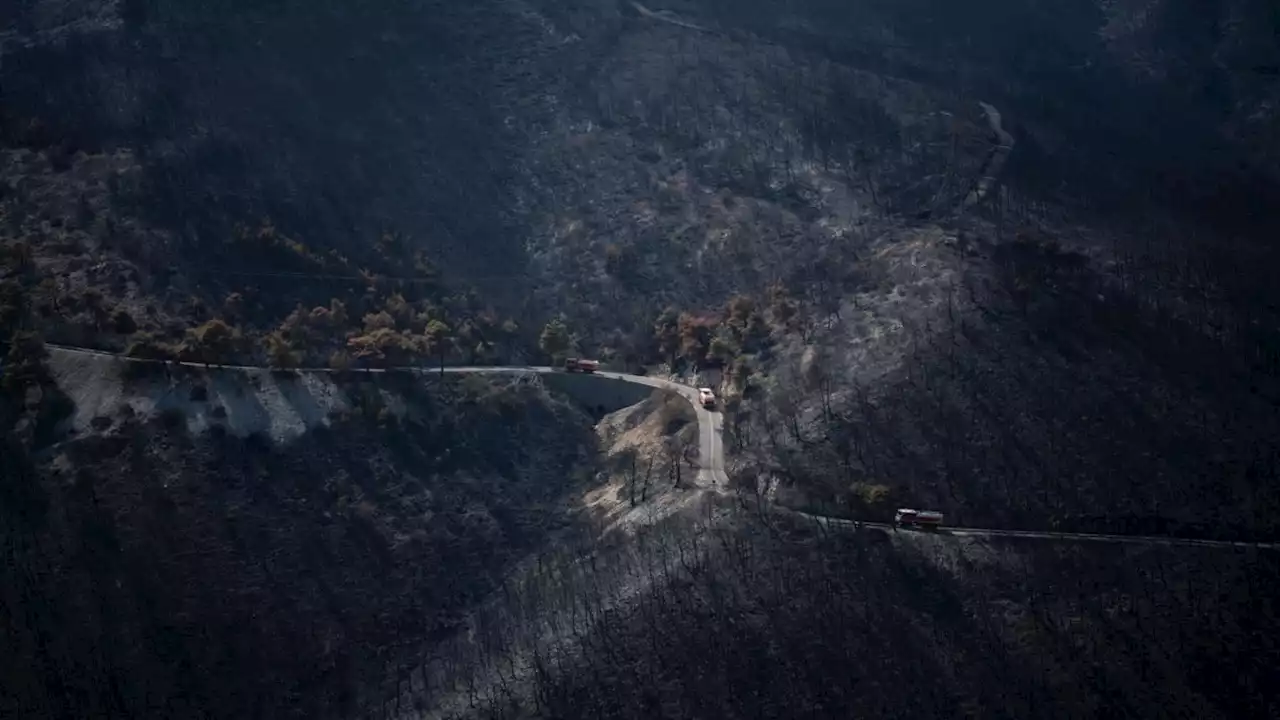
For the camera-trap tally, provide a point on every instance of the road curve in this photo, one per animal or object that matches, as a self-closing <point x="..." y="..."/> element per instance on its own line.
<point x="1045" y="535"/>
<point x="710" y="424"/>
<point x="711" y="472"/>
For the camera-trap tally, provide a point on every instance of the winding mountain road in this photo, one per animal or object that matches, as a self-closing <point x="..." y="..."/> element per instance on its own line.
<point x="843" y="523"/>
<point x="710" y="424"/>
<point x="711" y="472"/>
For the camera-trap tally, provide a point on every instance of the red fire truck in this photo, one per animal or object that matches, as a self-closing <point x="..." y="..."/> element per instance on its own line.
<point x="906" y="517"/>
<point x="580" y="365"/>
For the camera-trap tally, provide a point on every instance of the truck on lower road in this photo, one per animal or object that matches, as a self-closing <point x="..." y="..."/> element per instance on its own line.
<point x="580" y="365"/>
<point x="906" y="517"/>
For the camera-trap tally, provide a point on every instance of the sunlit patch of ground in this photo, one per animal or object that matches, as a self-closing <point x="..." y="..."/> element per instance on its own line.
<point x="640" y="494"/>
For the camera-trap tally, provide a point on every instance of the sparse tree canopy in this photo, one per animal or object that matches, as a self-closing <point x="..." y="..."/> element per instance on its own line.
<point x="437" y="340"/>
<point x="437" y="332"/>
<point x="782" y="305"/>
<point x="873" y="496"/>
<point x="555" y="340"/>
<point x="280" y="353"/>
<point x="695" y="337"/>
<point x="399" y="309"/>
<point x="721" y="350"/>
<point x="739" y="310"/>
<point x="297" y="327"/>
<point x="381" y="320"/>
<point x="666" y="331"/>
<point x="212" y="342"/>
<point x="145" y="346"/>
<point x="745" y="323"/>
<point x="338" y="313"/>
<point x="384" y="345"/>
<point x="340" y="360"/>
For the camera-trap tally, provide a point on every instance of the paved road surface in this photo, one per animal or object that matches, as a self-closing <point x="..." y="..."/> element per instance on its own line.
<point x="1044" y="535"/>
<point x="711" y="472"/>
<point x="710" y="424"/>
<point x="710" y="427"/>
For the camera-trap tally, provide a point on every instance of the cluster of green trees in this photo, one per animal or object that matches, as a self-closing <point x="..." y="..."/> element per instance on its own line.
<point x="727" y="338"/>
<point x="717" y="338"/>
<point x="555" y="340"/>
<point x="290" y="314"/>
<point x="397" y="333"/>
<point x="712" y="339"/>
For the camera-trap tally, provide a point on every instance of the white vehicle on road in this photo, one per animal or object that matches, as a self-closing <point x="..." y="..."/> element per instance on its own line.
<point x="706" y="397"/>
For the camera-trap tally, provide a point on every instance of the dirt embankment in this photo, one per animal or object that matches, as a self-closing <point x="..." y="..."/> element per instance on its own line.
<point x="241" y="402"/>
<point x="650" y="463"/>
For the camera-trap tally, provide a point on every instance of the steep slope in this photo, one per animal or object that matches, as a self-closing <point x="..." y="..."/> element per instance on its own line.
<point x="775" y="189"/>
<point x="567" y="161"/>
<point x="153" y="571"/>
<point x="846" y="627"/>
<point x="1023" y="386"/>
<point x="745" y="619"/>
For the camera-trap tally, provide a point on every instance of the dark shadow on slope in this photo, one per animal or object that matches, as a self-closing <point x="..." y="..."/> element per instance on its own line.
<point x="1112" y="406"/>
<point x="752" y="623"/>
<point x="1127" y="141"/>
<point x="1062" y="401"/>
<point x="340" y="124"/>
<point x="226" y="577"/>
